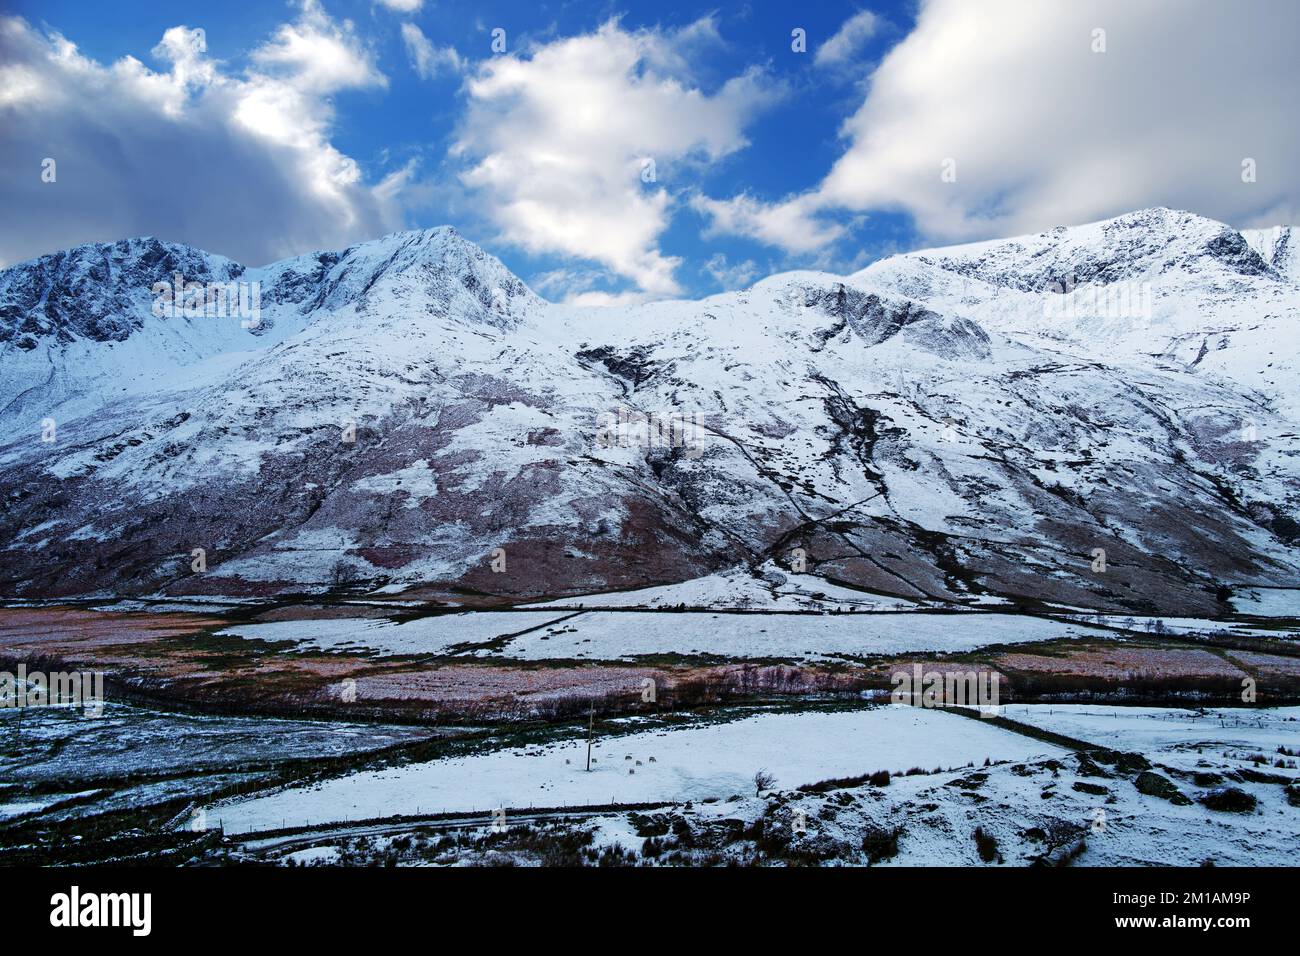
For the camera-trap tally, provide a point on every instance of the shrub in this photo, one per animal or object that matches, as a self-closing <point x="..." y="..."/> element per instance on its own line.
<point x="615" y="855"/>
<point x="881" y="843"/>
<point x="1229" y="800"/>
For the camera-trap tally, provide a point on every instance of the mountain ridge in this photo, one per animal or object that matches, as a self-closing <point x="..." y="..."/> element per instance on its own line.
<point x="913" y="429"/>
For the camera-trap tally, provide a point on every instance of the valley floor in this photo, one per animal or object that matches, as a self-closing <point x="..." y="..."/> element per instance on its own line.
<point x="1214" y="786"/>
<point x="461" y="737"/>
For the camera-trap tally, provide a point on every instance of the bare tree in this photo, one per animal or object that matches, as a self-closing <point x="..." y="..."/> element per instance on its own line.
<point x="342" y="575"/>
<point x="763" y="781"/>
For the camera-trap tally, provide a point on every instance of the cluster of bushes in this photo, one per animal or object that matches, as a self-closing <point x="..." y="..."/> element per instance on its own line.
<point x="881" y="843"/>
<point x="878" y="779"/>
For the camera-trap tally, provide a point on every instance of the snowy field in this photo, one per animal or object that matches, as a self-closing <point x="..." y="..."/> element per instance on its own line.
<point x="1181" y="626"/>
<point x="1033" y="807"/>
<point x="1268" y="602"/>
<point x="1121" y="825"/>
<point x="1124" y="826"/>
<point x="61" y="744"/>
<point x="427" y="635"/>
<point x="1039" y="803"/>
<point x="621" y="635"/>
<point x="772" y="589"/>
<point x="1152" y="729"/>
<point x="715" y="760"/>
<point x="23" y="807"/>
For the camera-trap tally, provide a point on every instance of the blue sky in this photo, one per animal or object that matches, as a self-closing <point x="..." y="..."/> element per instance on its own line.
<point x="312" y="125"/>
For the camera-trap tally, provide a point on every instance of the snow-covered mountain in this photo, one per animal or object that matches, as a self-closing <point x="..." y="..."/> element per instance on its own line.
<point x="949" y="425"/>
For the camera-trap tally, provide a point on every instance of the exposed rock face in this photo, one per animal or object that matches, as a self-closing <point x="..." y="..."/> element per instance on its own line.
<point x="98" y="292"/>
<point x="933" y="427"/>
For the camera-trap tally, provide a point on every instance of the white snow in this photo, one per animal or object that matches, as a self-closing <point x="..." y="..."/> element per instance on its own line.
<point x="416" y="481"/>
<point x="18" y="808"/>
<point x="1180" y="625"/>
<point x="739" y="588"/>
<point x="612" y="635"/>
<point x="621" y="635"/>
<point x="427" y="635"/>
<point x="1151" y="729"/>
<point x="716" y="760"/>
<point x="1268" y="602"/>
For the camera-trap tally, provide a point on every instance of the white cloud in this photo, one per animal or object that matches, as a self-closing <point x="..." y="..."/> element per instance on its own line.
<point x="609" y="299"/>
<point x="557" y="143"/>
<point x="426" y="59"/>
<point x="731" y="276"/>
<point x="402" y="6"/>
<point x="236" y="162"/>
<point x="564" y="284"/>
<point x="791" y="224"/>
<point x="315" y="55"/>
<point x="580" y="286"/>
<point x="1044" y="131"/>
<point x="856" y="30"/>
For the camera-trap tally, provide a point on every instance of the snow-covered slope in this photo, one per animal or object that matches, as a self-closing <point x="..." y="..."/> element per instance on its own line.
<point x="936" y="427"/>
<point x="1157" y="286"/>
<point x="1278" y="247"/>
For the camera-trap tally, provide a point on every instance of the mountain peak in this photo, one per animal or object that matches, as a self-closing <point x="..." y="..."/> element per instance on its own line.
<point x="102" y="291"/>
<point x="438" y="262"/>
<point x="97" y="290"/>
<point x="1137" y="246"/>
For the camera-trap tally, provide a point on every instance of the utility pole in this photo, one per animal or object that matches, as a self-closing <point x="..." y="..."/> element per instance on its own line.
<point x="591" y="723"/>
